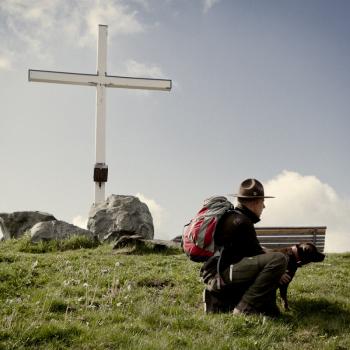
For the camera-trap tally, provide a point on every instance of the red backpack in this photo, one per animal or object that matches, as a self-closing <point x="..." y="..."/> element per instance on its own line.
<point x="198" y="236"/>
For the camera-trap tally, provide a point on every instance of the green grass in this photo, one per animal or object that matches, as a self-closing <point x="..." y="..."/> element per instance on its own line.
<point x="75" y="242"/>
<point x="83" y="296"/>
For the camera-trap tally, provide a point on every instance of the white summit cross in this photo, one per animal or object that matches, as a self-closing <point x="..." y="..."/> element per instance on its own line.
<point x="100" y="80"/>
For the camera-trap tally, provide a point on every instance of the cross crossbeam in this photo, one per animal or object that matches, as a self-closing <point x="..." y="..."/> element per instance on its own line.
<point x="101" y="81"/>
<point x="111" y="81"/>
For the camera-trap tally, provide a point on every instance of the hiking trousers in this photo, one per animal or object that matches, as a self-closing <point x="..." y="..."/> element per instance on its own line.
<point x="255" y="278"/>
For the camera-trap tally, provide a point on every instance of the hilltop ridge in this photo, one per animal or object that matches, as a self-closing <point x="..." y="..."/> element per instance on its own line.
<point x="55" y="296"/>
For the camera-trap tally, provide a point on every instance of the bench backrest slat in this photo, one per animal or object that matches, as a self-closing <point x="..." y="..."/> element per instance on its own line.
<point x="279" y="237"/>
<point x="291" y="230"/>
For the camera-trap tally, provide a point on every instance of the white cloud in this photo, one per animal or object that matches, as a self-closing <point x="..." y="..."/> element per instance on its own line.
<point x="5" y="63"/>
<point x="122" y="20"/>
<point x="80" y="221"/>
<point x="29" y="25"/>
<point x="208" y="4"/>
<point x="158" y="213"/>
<point x="32" y="26"/>
<point x="305" y="200"/>
<point x="141" y="70"/>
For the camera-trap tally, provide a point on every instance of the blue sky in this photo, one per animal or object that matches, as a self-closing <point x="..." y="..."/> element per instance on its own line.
<point x="260" y="89"/>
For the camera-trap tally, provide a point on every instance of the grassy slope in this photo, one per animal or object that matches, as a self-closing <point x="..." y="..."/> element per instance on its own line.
<point x="101" y="299"/>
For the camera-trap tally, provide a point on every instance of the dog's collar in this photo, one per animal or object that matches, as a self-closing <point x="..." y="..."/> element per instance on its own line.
<point x="296" y="255"/>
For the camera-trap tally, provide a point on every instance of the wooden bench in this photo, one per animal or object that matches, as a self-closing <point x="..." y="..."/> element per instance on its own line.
<point x="279" y="237"/>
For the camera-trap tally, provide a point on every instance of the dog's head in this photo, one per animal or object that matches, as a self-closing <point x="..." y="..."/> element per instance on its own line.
<point x="308" y="253"/>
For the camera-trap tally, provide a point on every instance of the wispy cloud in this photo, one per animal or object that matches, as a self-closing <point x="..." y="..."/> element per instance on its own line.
<point x="305" y="200"/>
<point x="141" y="70"/>
<point x="208" y="4"/>
<point x="136" y="69"/>
<point x="32" y="26"/>
<point x="123" y="20"/>
<point x="28" y="25"/>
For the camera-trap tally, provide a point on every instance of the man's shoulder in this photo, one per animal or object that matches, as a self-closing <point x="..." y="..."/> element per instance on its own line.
<point x="231" y="227"/>
<point x="234" y="218"/>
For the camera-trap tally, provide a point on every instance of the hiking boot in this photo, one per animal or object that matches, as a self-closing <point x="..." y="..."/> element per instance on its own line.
<point x="211" y="303"/>
<point x="242" y="308"/>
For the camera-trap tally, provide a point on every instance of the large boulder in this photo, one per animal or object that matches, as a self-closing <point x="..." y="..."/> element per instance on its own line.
<point x="14" y="225"/>
<point x="58" y="230"/>
<point x="119" y="216"/>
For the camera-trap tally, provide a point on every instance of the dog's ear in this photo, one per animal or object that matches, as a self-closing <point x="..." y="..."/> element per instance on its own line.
<point x="302" y="248"/>
<point x="308" y="247"/>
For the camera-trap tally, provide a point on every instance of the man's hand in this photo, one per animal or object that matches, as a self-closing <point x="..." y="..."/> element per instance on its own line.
<point x="285" y="279"/>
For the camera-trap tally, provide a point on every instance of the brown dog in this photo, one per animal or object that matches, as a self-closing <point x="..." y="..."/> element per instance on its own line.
<point x="298" y="255"/>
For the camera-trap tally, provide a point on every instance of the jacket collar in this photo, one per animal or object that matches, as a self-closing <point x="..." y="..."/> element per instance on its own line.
<point x="247" y="212"/>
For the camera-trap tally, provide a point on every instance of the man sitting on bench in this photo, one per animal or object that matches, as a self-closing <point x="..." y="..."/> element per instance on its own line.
<point x="244" y="277"/>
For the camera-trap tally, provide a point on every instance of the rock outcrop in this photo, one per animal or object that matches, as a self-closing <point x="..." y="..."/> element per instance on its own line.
<point x="119" y="216"/>
<point x="157" y="245"/>
<point x="14" y="225"/>
<point x="50" y="230"/>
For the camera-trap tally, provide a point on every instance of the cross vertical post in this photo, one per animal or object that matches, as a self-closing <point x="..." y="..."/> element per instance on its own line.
<point x="100" y="130"/>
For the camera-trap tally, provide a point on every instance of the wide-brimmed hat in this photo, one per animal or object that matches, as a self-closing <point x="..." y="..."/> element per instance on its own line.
<point x="251" y="188"/>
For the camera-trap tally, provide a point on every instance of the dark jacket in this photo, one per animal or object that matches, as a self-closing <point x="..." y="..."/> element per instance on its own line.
<point x="235" y="234"/>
